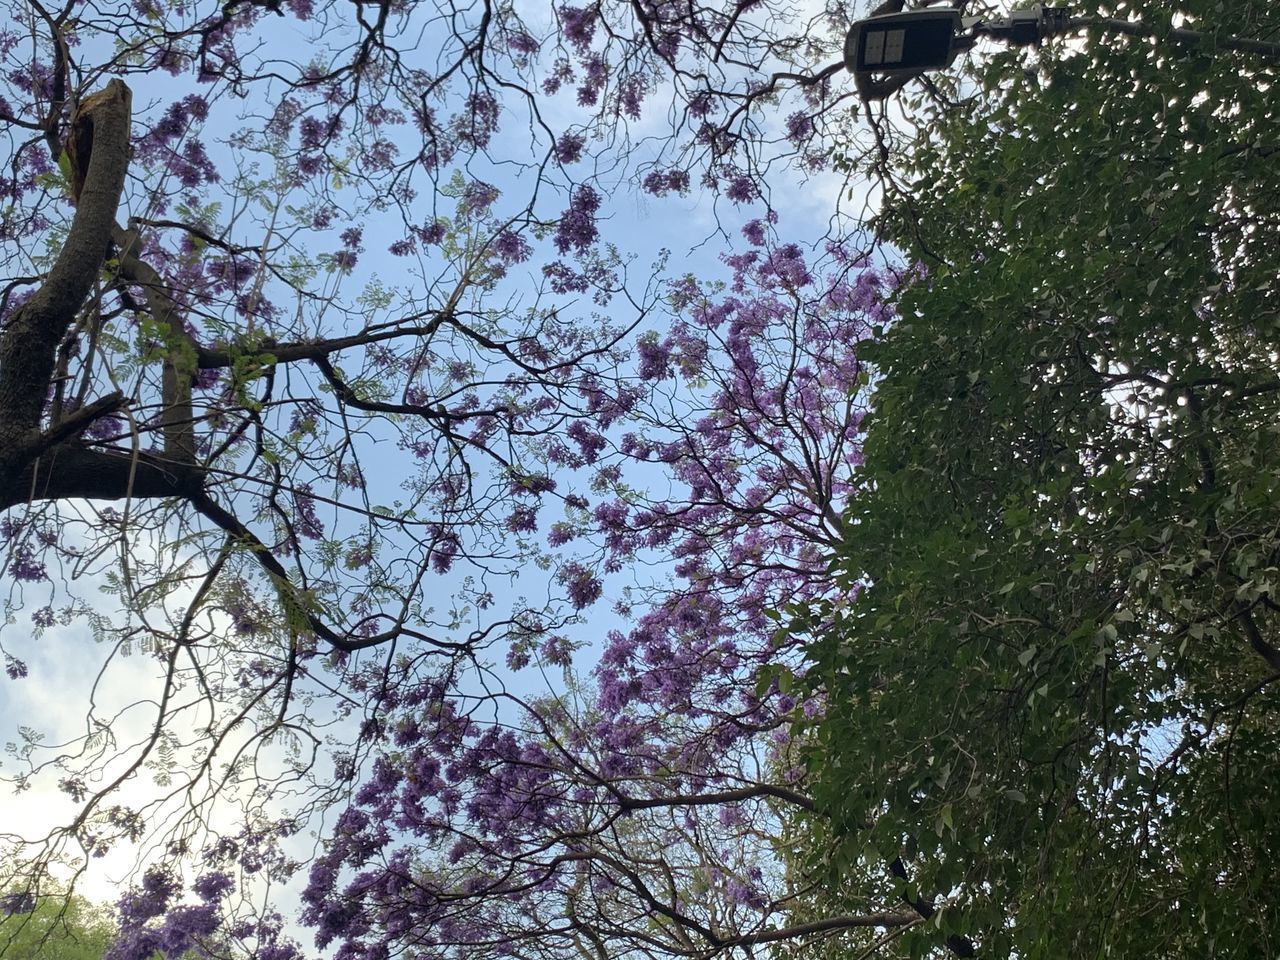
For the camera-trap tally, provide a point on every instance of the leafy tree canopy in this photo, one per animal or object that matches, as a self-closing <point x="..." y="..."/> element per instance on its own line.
<point x="53" y="927"/>
<point x="1053" y="702"/>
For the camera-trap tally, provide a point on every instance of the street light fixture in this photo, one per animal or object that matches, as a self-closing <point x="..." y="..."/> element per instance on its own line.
<point x="907" y="44"/>
<point x="899" y="44"/>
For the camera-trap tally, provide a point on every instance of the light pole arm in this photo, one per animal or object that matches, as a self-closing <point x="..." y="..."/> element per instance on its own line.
<point x="1031" y="26"/>
<point x="1133" y="29"/>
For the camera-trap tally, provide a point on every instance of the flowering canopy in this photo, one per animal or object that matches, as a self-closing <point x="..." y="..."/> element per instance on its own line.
<point x="639" y="813"/>
<point x="314" y="336"/>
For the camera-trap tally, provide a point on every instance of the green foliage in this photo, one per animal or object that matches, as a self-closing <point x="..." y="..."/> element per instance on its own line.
<point x="1054" y="697"/>
<point x="57" y="929"/>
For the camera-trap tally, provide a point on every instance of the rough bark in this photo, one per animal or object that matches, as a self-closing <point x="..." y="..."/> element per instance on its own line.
<point x="47" y="462"/>
<point x="42" y="464"/>
<point x="29" y="341"/>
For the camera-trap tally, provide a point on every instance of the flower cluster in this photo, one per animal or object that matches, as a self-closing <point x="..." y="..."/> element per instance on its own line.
<point x="171" y="143"/>
<point x="152" y="921"/>
<point x="577" y="228"/>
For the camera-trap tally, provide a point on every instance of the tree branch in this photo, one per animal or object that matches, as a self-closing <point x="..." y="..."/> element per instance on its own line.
<point x="72" y="470"/>
<point x="177" y="416"/>
<point x="29" y="342"/>
<point x="723" y="796"/>
<point x="887" y="919"/>
<point x="70" y="426"/>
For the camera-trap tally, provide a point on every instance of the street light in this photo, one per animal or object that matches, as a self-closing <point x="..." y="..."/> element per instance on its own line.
<point x="907" y="44"/>
<point x="898" y="44"/>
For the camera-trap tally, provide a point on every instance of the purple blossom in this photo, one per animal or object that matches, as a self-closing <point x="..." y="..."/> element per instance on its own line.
<point x="523" y="519"/>
<point x="787" y="265"/>
<point x="667" y="45"/>
<point x="160" y="145"/>
<point x="560" y="74"/>
<point x="631" y="93"/>
<point x="512" y="247"/>
<point x="518" y="657"/>
<point x="521" y="43"/>
<point x="314" y="133"/>
<point x="754" y="232"/>
<point x="578" y="25"/>
<point x="799" y="128"/>
<point x="349" y="476"/>
<point x="211" y="887"/>
<point x="193" y="167"/>
<point x="444" y="551"/>
<point x="151" y="900"/>
<point x="105" y="427"/>
<point x="815" y="161"/>
<point x="432" y="233"/>
<point x="247" y="616"/>
<point x="310" y="164"/>
<point x="305" y="416"/>
<point x="742" y="189"/>
<point x="479" y="122"/>
<point x="25" y="566"/>
<point x="478" y="196"/>
<point x="557" y="650"/>
<point x="380" y="154"/>
<point x="655" y="359"/>
<point x="577" y="227"/>
<point x="184" y="927"/>
<point x="612" y="515"/>
<point x="739" y="892"/>
<point x="170" y="60"/>
<point x="583" y="587"/>
<point x="358" y="557"/>
<point x="378" y="115"/>
<point x="661" y="182"/>
<point x="590" y="443"/>
<point x="141" y="943"/>
<point x="531" y="484"/>
<point x="564" y="279"/>
<point x="34" y="78"/>
<point x="230" y="272"/>
<point x="700" y="104"/>
<point x="568" y="148"/>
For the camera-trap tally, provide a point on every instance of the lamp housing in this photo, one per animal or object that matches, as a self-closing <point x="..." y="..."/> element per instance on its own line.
<point x="903" y="44"/>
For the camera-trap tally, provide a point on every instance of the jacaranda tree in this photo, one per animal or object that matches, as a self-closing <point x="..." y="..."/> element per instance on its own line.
<point x="647" y="812"/>
<point x="314" y="337"/>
